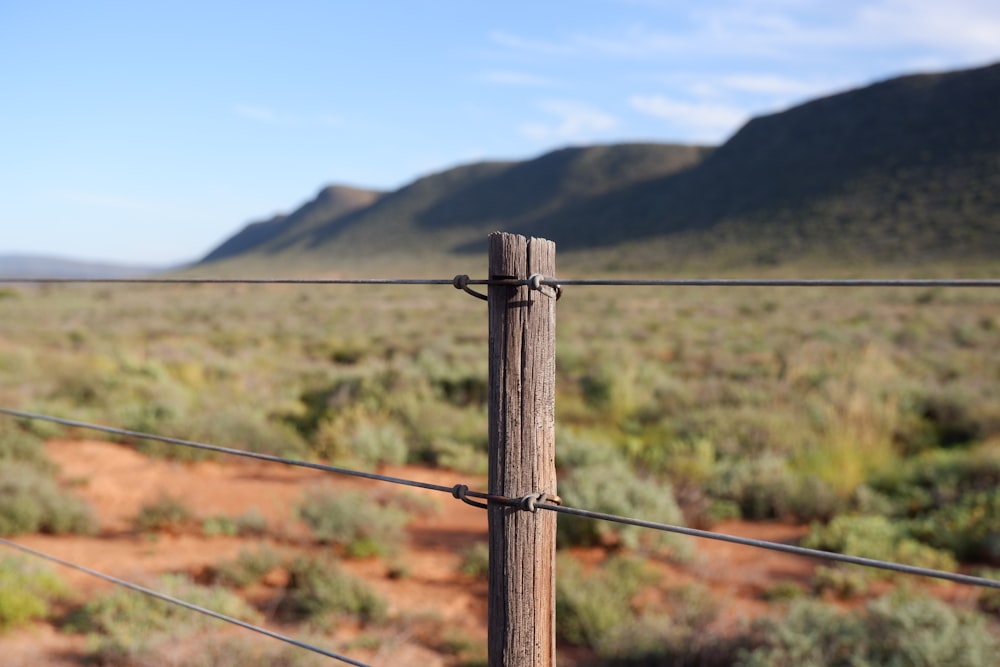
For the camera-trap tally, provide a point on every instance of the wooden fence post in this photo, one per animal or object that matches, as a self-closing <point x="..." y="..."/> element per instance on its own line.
<point x="521" y="454"/>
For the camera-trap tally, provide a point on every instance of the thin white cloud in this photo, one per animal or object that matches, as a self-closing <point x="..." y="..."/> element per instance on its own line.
<point x="782" y="29"/>
<point x="967" y="27"/>
<point x="700" y="120"/>
<point x="510" y="78"/>
<point x="573" y="121"/>
<point x="769" y="84"/>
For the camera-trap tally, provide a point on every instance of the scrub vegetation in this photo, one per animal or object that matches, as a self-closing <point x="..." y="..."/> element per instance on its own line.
<point x="874" y="414"/>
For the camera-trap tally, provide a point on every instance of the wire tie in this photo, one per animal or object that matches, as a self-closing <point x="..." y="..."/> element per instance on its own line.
<point x="529" y="502"/>
<point x="459" y="491"/>
<point x="535" y="282"/>
<point x="461" y="282"/>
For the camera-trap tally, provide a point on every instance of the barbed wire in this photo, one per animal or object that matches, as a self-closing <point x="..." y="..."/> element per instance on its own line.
<point x="539" y="501"/>
<point x="182" y="603"/>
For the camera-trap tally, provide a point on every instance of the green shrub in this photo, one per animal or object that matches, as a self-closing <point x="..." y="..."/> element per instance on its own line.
<point x="900" y="630"/>
<point x="249" y="524"/>
<point x="26" y="592"/>
<point x="600" y="609"/>
<point x="782" y="591"/>
<point x="125" y="622"/>
<point x="970" y="528"/>
<point x="766" y="488"/>
<point x="989" y="599"/>
<point x="237" y="426"/>
<point x="235" y="649"/>
<point x="249" y="567"/>
<point x="811" y="634"/>
<point x="17" y="444"/>
<point x="613" y="487"/>
<point x="939" y="478"/>
<point x="476" y="560"/>
<point x="875" y="537"/>
<point x="32" y="502"/>
<point x="362" y="440"/>
<point x="166" y="513"/>
<point x="843" y="581"/>
<point x="320" y="592"/>
<point x="590" y="606"/>
<point x="353" y="521"/>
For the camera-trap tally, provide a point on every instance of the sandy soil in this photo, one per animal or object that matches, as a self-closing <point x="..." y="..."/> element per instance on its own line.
<point x="117" y="481"/>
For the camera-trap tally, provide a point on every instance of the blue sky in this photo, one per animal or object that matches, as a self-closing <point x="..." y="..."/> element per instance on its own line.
<point x="150" y="131"/>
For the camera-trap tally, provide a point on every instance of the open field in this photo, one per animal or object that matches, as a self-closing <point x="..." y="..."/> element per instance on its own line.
<point x="874" y="413"/>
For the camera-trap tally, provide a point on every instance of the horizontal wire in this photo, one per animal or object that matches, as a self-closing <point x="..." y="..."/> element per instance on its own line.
<point x="458" y="490"/>
<point x="550" y="281"/>
<point x="775" y="546"/>
<point x="461" y="492"/>
<point x="241" y="281"/>
<point x="182" y="603"/>
<point x="753" y="282"/>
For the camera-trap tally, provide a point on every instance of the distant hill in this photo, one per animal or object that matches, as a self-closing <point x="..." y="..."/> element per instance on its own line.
<point x="902" y="171"/>
<point x="41" y="266"/>
<point x="331" y="203"/>
<point x="446" y="211"/>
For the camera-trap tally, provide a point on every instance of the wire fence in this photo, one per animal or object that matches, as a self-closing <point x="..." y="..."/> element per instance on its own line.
<point x="530" y="503"/>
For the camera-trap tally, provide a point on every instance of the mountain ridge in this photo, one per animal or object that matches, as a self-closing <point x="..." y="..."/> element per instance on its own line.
<point x="906" y="169"/>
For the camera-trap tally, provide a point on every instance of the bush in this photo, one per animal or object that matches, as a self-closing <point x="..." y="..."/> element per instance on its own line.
<point x="320" y="592"/>
<point x="989" y="598"/>
<point x="353" y="521"/>
<point x="476" y="560"/>
<point x="18" y="445"/>
<point x="32" y="502"/>
<point x="765" y="488"/>
<point x="362" y="440"/>
<point x="590" y="606"/>
<point x="26" y="592"/>
<point x="165" y="513"/>
<point x="939" y="478"/>
<point x="613" y="487"/>
<point x="248" y="567"/>
<point x="615" y="611"/>
<point x="238" y="427"/>
<point x="249" y="524"/>
<point x="898" y="630"/>
<point x="125" y="622"/>
<point x="970" y="529"/>
<point x="229" y="650"/>
<point x="875" y="537"/>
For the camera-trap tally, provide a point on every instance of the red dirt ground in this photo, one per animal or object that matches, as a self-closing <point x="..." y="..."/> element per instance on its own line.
<point x="117" y="481"/>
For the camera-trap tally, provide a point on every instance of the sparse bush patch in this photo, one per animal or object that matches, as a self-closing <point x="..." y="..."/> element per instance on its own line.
<point x="125" y="623"/>
<point x="26" y="592"/>
<point x="165" y="513"/>
<point x="32" y="502"/>
<point x="320" y="592"/>
<point x="353" y="521"/>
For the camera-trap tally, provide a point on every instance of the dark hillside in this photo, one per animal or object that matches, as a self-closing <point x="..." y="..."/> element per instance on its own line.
<point x="907" y="167"/>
